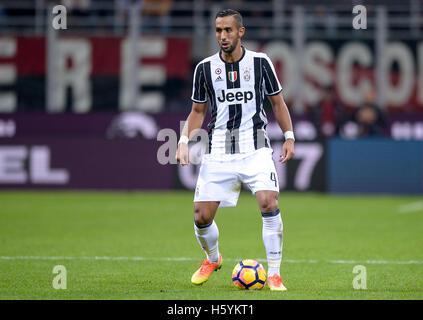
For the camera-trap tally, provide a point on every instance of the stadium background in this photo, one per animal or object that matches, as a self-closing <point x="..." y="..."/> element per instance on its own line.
<point x="90" y="107"/>
<point x="85" y="105"/>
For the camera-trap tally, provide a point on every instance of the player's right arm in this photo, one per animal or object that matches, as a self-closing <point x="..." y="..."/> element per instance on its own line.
<point x="198" y="112"/>
<point x="192" y="125"/>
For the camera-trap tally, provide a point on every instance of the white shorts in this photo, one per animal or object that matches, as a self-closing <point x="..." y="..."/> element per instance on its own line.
<point x="221" y="180"/>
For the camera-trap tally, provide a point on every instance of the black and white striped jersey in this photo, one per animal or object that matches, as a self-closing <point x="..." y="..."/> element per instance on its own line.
<point x="236" y="92"/>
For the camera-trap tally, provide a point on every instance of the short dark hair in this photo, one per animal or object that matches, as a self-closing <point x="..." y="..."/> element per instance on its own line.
<point x="231" y="12"/>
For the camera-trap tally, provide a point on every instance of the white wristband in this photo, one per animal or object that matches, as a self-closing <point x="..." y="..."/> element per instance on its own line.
<point x="183" y="139"/>
<point x="289" y="135"/>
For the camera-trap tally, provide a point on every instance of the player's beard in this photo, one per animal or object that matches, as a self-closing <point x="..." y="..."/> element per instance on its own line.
<point x="232" y="47"/>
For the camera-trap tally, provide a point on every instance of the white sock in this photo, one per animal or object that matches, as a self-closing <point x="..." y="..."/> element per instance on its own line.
<point x="273" y="240"/>
<point x="207" y="237"/>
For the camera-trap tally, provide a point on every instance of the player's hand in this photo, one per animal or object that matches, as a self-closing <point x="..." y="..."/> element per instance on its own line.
<point x="287" y="151"/>
<point x="182" y="154"/>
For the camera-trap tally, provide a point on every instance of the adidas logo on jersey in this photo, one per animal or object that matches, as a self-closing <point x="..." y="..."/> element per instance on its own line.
<point x="234" y="95"/>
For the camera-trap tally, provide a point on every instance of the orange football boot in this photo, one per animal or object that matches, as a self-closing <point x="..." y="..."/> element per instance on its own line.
<point x="205" y="271"/>
<point x="275" y="283"/>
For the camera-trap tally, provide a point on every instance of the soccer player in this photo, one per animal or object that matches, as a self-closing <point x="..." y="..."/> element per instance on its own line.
<point x="235" y="82"/>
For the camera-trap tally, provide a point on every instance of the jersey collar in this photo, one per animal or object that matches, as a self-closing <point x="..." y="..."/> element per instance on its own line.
<point x="243" y="54"/>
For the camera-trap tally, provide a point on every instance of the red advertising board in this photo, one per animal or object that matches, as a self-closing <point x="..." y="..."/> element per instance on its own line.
<point x="99" y="73"/>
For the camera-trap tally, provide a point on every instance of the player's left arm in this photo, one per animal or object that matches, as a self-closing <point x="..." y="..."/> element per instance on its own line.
<point x="283" y="118"/>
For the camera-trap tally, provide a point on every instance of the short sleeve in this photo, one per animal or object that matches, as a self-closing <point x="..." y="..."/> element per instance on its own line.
<point x="272" y="85"/>
<point x="199" y="93"/>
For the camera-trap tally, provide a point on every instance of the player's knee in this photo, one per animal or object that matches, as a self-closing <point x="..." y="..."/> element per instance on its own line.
<point x="201" y="220"/>
<point x="269" y="204"/>
<point x="201" y="217"/>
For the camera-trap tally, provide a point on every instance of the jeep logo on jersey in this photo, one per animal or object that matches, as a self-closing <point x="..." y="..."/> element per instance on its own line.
<point x="234" y="95"/>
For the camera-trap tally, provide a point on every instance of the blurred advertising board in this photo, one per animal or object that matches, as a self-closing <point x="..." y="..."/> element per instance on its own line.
<point x="133" y="150"/>
<point x="74" y="163"/>
<point x="126" y="151"/>
<point x="374" y="166"/>
<point x="91" y="73"/>
<point x="100" y="73"/>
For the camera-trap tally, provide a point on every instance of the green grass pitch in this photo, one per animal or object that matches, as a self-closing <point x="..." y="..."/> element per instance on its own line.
<point x="141" y="245"/>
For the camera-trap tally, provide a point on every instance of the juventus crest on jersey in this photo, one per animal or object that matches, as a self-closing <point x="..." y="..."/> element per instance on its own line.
<point x="236" y="92"/>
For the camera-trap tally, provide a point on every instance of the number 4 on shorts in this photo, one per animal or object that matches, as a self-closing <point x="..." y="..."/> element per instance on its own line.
<point x="273" y="178"/>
